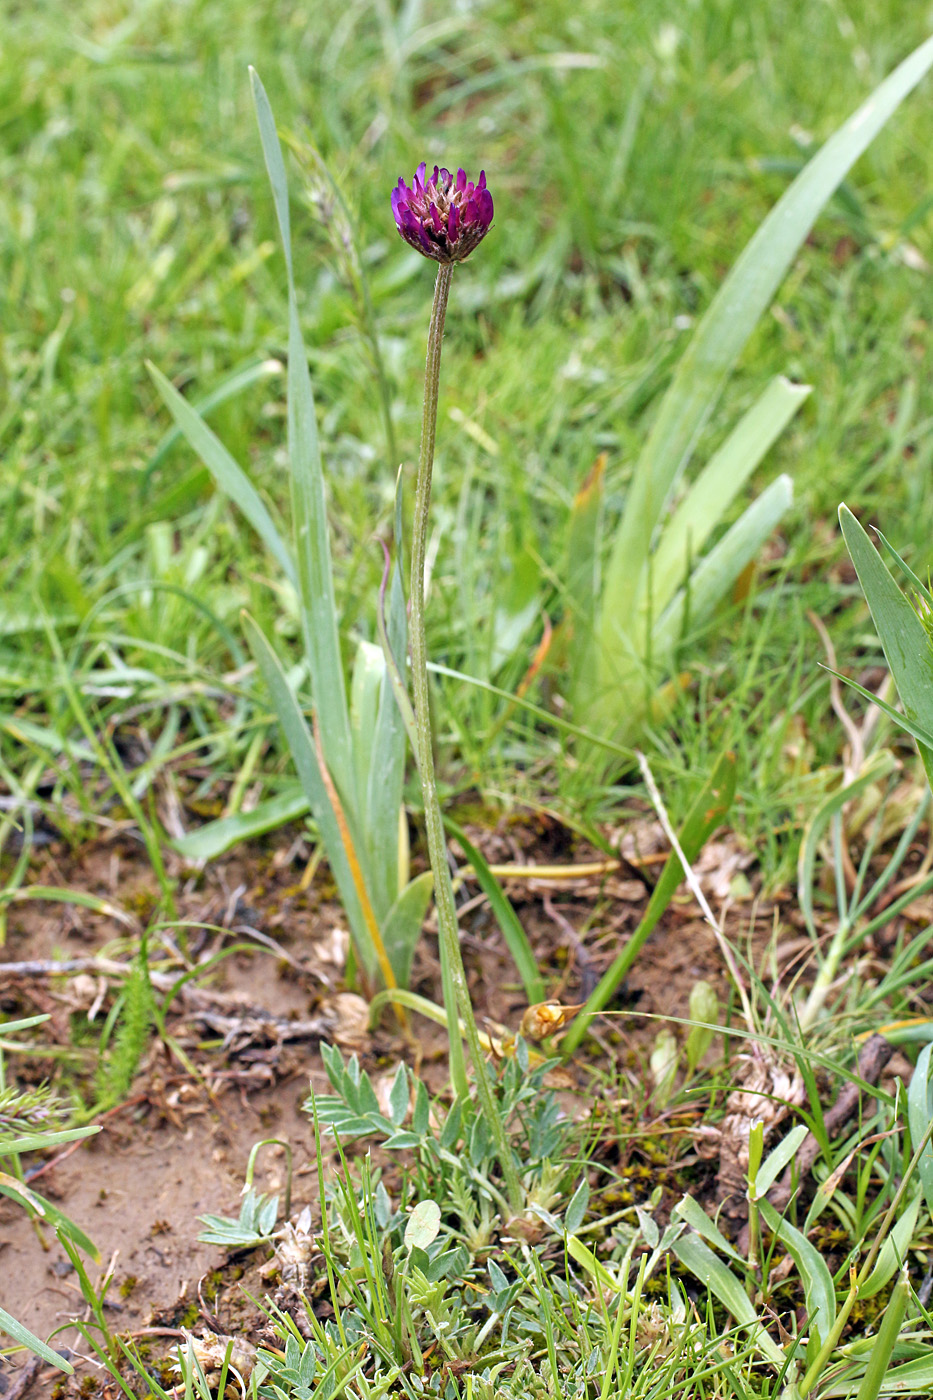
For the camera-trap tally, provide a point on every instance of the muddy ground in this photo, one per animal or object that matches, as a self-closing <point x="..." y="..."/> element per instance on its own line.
<point x="177" y="1146"/>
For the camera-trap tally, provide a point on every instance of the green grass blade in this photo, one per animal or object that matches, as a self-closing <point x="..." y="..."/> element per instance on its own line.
<point x="312" y="541"/>
<point x="401" y="928"/>
<point x="817" y="1281"/>
<point x="723" y="332"/>
<point x="302" y="749"/>
<point x="693" y="1213"/>
<point x="582" y="567"/>
<point x="515" y="936"/>
<point x="718" y="570"/>
<point x="719" y="1279"/>
<point x="919" y="1112"/>
<point x="227" y="474"/>
<point x="709" y="809"/>
<point x="910" y="726"/>
<point x="228" y="388"/>
<point x="879" y="766"/>
<point x="903" y="636"/>
<point x="212" y="839"/>
<point x="37" y="1142"/>
<point x="24" y="1338"/>
<point x="718" y="484"/>
<point x="880" y="1359"/>
<point x="894" y="1250"/>
<point x="382" y="782"/>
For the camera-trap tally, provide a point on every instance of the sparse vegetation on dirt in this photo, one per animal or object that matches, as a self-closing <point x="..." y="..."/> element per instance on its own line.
<point x="460" y="934"/>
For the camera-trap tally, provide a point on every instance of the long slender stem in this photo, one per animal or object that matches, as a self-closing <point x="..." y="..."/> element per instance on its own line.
<point x="456" y="993"/>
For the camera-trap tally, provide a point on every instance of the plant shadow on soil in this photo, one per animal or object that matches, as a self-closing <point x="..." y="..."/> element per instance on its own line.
<point x="177" y="1147"/>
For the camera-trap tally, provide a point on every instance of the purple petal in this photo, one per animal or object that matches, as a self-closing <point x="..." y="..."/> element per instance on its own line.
<point x="453" y="223"/>
<point x="484" y="206"/>
<point x="461" y="181"/>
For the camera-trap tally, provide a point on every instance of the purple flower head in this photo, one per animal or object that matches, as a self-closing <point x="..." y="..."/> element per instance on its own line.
<point x="444" y="217"/>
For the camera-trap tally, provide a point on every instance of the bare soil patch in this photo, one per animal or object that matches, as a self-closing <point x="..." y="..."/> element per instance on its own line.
<point x="178" y="1148"/>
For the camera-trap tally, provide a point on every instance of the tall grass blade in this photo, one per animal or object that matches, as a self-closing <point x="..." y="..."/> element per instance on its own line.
<point x="24" y="1338"/>
<point x="302" y="748"/>
<point x="381" y="790"/>
<point x="312" y="543"/>
<point x="515" y="936"/>
<point x="919" y="1113"/>
<point x="227" y="474"/>
<point x="902" y="634"/>
<point x="718" y="570"/>
<point x="709" y="809"/>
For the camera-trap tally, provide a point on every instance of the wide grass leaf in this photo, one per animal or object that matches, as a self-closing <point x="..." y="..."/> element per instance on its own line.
<point x="212" y="839"/>
<point x="720" y="568"/>
<point x="718" y="484"/>
<point x="401" y="928"/>
<point x="720" y="338"/>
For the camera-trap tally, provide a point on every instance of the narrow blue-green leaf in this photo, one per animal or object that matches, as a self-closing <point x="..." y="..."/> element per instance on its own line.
<point x="228" y="388"/>
<point x="515" y="936"/>
<point x="718" y="570"/>
<point x="693" y="1213"/>
<point x="710" y="496"/>
<point x="879" y="1361"/>
<point x="878" y="767"/>
<point x="905" y="641"/>
<point x="894" y="1250"/>
<point x="777" y="1160"/>
<point x="724" y="330"/>
<point x="228" y="475"/>
<point x="212" y="839"/>
<point x="381" y="797"/>
<point x="707" y="811"/>
<point x="36" y="1142"/>
<point x="910" y="726"/>
<point x="312" y="542"/>
<point x="818" y="1287"/>
<point x="919" y="1111"/>
<point x="719" y="1279"/>
<point x="24" y="1338"/>
<point x="304" y="757"/>
<point x="401" y="928"/>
